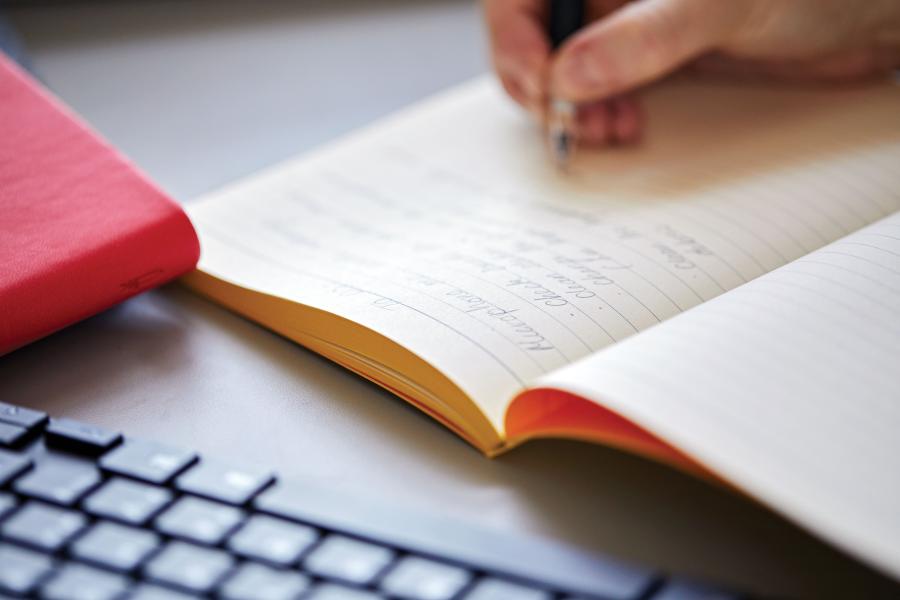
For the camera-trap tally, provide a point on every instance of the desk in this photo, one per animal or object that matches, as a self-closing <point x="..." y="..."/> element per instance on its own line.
<point x="199" y="93"/>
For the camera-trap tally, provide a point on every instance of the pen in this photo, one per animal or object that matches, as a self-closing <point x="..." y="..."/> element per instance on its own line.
<point x="566" y="17"/>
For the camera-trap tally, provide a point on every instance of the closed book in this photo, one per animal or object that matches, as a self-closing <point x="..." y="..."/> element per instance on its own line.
<point x="81" y="228"/>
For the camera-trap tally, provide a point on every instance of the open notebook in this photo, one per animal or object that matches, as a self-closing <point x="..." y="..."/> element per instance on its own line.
<point x="439" y="254"/>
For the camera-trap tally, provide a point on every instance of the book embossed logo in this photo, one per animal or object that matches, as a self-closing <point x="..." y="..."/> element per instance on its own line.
<point x="141" y="281"/>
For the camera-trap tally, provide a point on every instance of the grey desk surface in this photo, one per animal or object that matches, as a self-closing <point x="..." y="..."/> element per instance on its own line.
<point x="199" y="93"/>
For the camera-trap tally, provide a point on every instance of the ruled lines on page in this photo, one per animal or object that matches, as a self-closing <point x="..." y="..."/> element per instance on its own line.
<point x="788" y="386"/>
<point x="447" y="230"/>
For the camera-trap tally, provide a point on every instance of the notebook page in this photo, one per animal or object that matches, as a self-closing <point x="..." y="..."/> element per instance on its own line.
<point x="447" y="229"/>
<point x="788" y="387"/>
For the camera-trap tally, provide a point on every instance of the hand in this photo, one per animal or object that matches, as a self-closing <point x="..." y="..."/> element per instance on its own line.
<point x="628" y="44"/>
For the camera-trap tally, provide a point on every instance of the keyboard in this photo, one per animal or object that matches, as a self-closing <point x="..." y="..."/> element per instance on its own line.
<point x="91" y="514"/>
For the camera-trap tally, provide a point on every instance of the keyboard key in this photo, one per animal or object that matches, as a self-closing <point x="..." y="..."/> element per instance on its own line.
<point x="113" y="546"/>
<point x="7" y="504"/>
<point x="147" y="461"/>
<point x="148" y="591"/>
<point x="21" y="416"/>
<point x="12" y="435"/>
<point x="12" y="465"/>
<point x="272" y="540"/>
<point x="348" y="560"/>
<point x="331" y="591"/>
<point x="189" y="567"/>
<point x="128" y="501"/>
<point x="73" y="436"/>
<point x="257" y="582"/>
<point x="683" y="590"/>
<point x="199" y="520"/>
<point x="281" y="500"/>
<point x="416" y="578"/>
<point x="21" y="571"/>
<point x="59" y="479"/>
<point x="616" y="581"/>
<point x="79" y="582"/>
<point x="500" y="589"/>
<point x="224" y="483"/>
<point x="42" y="526"/>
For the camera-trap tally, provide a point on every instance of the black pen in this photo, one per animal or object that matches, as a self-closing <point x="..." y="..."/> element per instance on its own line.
<point x="566" y="17"/>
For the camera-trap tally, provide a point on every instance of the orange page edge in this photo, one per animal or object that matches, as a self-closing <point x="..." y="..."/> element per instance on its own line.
<point x="551" y="413"/>
<point x="533" y="413"/>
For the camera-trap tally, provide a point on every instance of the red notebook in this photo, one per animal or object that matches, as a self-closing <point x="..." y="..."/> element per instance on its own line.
<point x="81" y="229"/>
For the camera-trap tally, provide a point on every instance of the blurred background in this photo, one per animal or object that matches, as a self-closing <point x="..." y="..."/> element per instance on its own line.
<point x="232" y="86"/>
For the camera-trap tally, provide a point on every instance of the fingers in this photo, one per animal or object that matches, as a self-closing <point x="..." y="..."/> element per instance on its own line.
<point x="521" y="52"/>
<point x="615" y="121"/>
<point x="519" y="47"/>
<point x="638" y="43"/>
<point x="594" y="123"/>
<point x="536" y="107"/>
<point x="628" y="123"/>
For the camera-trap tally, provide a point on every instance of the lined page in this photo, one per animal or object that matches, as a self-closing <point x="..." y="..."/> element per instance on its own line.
<point x="789" y="387"/>
<point x="447" y="230"/>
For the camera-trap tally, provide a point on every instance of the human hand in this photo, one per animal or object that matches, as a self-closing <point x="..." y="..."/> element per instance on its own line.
<point x="630" y="43"/>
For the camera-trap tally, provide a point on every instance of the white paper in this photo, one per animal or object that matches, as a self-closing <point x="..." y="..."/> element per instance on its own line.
<point x="788" y="387"/>
<point x="447" y="229"/>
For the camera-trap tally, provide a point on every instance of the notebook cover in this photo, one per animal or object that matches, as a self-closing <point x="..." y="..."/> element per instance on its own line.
<point x="81" y="229"/>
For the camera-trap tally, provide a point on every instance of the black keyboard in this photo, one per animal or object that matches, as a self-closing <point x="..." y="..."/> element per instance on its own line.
<point x="88" y="514"/>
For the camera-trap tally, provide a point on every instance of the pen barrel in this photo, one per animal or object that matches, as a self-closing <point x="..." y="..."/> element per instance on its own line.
<point x="566" y="17"/>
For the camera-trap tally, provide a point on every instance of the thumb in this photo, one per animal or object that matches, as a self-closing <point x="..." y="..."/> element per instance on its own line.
<point x="638" y="43"/>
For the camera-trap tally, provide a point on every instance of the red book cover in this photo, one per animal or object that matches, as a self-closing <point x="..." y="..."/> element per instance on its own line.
<point x="81" y="229"/>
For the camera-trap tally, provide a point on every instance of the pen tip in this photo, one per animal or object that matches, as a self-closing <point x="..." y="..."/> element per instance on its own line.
<point x="561" y="148"/>
<point x="561" y="138"/>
